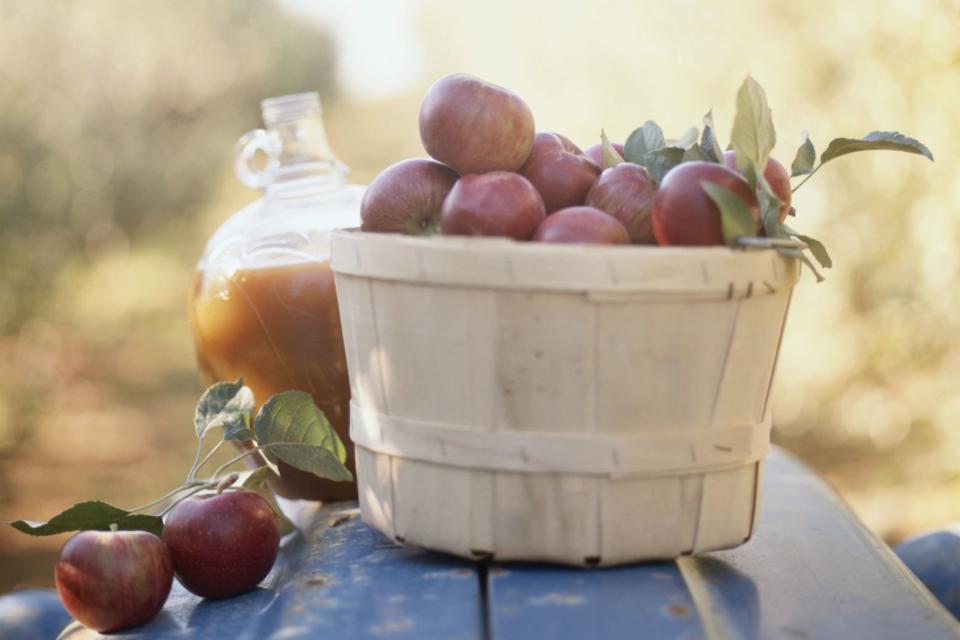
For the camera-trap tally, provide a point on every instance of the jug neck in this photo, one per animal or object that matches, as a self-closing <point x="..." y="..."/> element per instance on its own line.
<point x="298" y="155"/>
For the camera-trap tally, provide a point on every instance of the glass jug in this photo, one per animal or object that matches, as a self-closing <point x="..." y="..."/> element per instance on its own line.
<point x="263" y="304"/>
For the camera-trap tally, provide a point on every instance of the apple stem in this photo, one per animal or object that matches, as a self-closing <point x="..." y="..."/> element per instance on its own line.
<point x="183" y="487"/>
<point x="199" y="465"/>
<point x="192" y="491"/>
<point x="809" y="175"/>
<point x="236" y="459"/>
<point x="227" y="481"/>
<point x="196" y="459"/>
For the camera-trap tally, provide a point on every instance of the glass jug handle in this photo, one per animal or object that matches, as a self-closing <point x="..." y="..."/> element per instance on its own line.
<point x="246" y="148"/>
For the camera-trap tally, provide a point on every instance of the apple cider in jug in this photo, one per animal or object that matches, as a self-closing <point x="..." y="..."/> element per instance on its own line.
<point x="264" y="304"/>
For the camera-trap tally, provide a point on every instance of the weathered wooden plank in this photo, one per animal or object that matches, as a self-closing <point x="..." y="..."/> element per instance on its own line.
<point x="341" y="579"/>
<point x="811" y="571"/>
<point x="31" y="614"/>
<point x="646" y="601"/>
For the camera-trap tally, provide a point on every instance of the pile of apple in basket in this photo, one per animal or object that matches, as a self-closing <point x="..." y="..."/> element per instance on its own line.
<point x="492" y="175"/>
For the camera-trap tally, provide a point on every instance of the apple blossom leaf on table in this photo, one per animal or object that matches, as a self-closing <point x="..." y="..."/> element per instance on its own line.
<point x="816" y="247"/>
<point x="611" y="157"/>
<point x="660" y="162"/>
<point x="228" y="405"/>
<point x="708" y="139"/>
<point x="290" y="427"/>
<point x="876" y="140"/>
<point x="753" y="136"/>
<point x="642" y="141"/>
<point x="805" y="159"/>
<point x="258" y="482"/>
<point x="735" y="218"/>
<point x="94" y="515"/>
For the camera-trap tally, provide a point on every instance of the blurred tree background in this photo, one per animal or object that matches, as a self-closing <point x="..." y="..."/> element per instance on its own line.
<point x="117" y="122"/>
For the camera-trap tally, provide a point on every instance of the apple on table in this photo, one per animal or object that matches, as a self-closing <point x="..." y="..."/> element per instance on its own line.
<point x="113" y="580"/>
<point x="222" y="544"/>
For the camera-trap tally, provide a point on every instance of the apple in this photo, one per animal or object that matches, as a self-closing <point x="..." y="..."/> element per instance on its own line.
<point x="222" y="544"/>
<point x="595" y="152"/>
<point x="581" y="225"/>
<point x="560" y="171"/>
<point x="113" y="580"/>
<point x="626" y="193"/>
<point x="406" y="197"/>
<point x="499" y="203"/>
<point x="683" y="213"/>
<point x="777" y="177"/>
<point x="473" y="126"/>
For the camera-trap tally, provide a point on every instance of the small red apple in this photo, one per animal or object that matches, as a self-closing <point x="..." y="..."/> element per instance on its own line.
<point x="113" y="580"/>
<point x="626" y="193"/>
<point x="473" y="126"/>
<point x="683" y="213"/>
<point x="777" y="177"/>
<point x="560" y="171"/>
<point x="595" y="152"/>
<point x="581" y="225"/>
<point x="222" y="544"/>
<point x="406" y="197"/>
<point x="499" y="203"/>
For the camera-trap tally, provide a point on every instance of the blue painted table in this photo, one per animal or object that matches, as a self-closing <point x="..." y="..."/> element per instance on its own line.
<point x="811" y="571"/>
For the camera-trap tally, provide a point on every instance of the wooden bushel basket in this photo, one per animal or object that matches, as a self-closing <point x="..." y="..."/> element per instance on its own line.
<point x="587" y="405"/>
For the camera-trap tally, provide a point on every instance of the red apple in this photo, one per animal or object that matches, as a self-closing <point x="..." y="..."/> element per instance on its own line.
<point x="473" y="126"/>
<point x="683" y="213"/>
<point x="626" y="193"/>
<point x="222" y="544"/>
<point x="581" y="225"/>
<point x="112" y="580"/>
<point x="595" y="152"/>
<point x="560" y="171"/>
<point x="406" y="197"/>
<point x="777" y="177"/>
<point x="499" y="203"/>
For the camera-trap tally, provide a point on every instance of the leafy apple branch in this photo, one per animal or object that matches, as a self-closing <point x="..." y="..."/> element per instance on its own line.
<point x="288" y="427"/>
<point x="753" y="137"/>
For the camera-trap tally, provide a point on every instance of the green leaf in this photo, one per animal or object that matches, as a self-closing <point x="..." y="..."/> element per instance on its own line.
<point x="660" y="162"/>
<point x="642" y="141"/>
<point x="805" y="159"/>
<point x="769" y="205"/>
<point x="753" y="135"/>
<point x="258" y="481"/>
<point x="695" y="154"/>
<point x="800" y="255"/>
<point x="876" y="140"/>
<point x="316" y="460"/>
<point x="228" y="405"/>
<point x="610" y="156"/>
<point x="735" y="217"/>
<point x="817" y="248"/>
<point x="708" y="140"/>
<point x="91" y="515"/>
<point x="293" y="429"/>
<point x="685" y="140"/>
